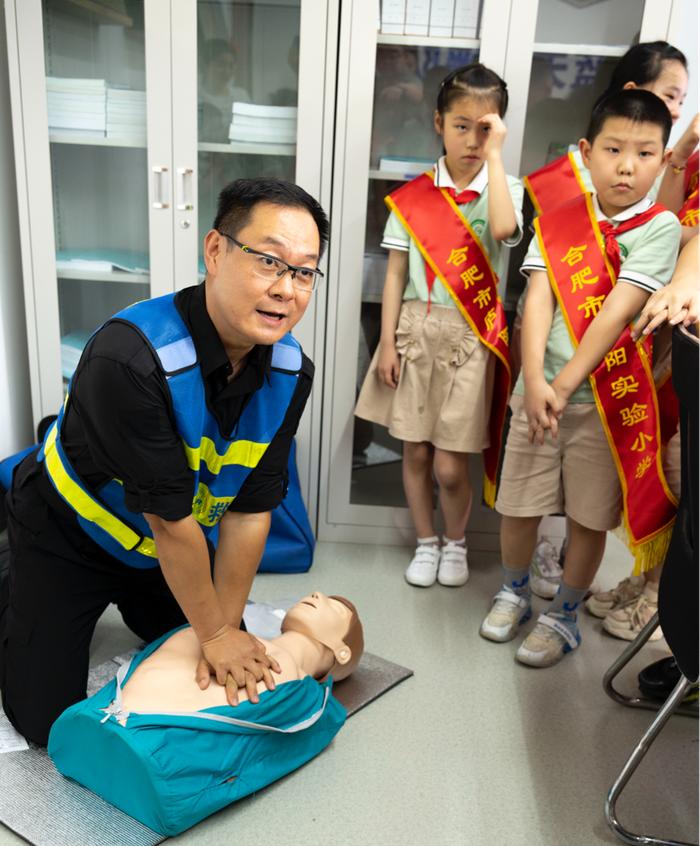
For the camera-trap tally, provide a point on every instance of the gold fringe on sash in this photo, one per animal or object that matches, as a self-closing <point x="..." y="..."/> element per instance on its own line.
<point x="489" y="492"/>
<point x="648" y="554"/>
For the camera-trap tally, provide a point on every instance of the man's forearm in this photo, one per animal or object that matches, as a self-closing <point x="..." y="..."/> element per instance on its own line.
<point x="184" y="560"/>
<point x="242" y="539"/>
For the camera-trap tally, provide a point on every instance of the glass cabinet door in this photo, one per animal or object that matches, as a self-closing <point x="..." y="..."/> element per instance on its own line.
<point x="389" y="75"/>
<point x="575" y="51"/>
<point x="247" y="95"/>
<point x="96" y="100"/>
<point x="403" y="144"/>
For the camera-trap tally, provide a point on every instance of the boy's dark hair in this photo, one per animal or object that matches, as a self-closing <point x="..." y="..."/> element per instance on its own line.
<point x="642" y="64"/>
<point x="238" y="199"/>
<point x="472" y="80"/>
<point x="637" y="105"/>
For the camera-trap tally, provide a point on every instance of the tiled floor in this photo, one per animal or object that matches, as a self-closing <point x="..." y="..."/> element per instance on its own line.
<point x="474" y="749"/>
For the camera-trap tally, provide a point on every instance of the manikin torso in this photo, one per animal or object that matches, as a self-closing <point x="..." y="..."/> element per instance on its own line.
<point x="165" y="681"/>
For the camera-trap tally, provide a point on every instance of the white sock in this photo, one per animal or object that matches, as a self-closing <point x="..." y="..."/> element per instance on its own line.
<point x="457" y="542"/>
<point x="433" y="541"/>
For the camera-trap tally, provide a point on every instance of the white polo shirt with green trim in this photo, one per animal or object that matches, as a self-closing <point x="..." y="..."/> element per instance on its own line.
<point x="396" y="238"/>
<point x="648" y="256"/>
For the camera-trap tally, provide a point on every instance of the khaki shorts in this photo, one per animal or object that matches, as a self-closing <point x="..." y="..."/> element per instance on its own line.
<point x="574" y="475"/>
<point x="445" y="382"/>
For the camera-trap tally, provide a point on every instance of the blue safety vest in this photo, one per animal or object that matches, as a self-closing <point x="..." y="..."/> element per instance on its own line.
<point x="220" y="463"/>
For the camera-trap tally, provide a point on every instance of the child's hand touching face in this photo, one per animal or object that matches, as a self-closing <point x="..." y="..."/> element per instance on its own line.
<point x="496" y="134"/>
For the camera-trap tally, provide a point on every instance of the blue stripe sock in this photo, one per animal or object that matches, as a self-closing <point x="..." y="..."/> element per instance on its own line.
<point x="517" y="579"/>
<point x="567" y="601"/>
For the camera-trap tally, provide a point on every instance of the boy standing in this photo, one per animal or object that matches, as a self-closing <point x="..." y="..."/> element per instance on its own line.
<point x="591" y="268"/>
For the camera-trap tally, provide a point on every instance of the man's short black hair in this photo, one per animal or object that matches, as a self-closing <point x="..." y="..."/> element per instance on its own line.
<point x="636" y="104"/>
<point x="238" y="199"/>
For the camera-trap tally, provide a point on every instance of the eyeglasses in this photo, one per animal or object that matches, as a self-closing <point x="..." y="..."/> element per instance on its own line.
<point x="271" y="268"/>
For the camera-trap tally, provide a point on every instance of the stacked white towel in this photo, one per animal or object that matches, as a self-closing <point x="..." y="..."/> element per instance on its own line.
<point x="254" y="123"/>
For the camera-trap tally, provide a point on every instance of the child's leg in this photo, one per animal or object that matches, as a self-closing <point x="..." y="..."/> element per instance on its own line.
<point x="530" y="487"/>
<point x="556" y="632"/>
<point x="452" y="474"/>
<point x="511" y="605"/>
<point x="418" y="485"/>
<point x="518" y="539"/>
<point x="584" y="552"/>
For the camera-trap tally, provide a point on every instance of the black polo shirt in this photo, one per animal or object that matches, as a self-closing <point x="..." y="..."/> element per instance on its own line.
<point x="120" y="423"/>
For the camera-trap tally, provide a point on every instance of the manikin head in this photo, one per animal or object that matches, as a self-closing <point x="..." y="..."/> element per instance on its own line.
<point x="333" y="622"/>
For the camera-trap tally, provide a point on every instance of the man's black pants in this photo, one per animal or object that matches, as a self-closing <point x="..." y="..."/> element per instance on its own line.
<point x="59" y="584"/>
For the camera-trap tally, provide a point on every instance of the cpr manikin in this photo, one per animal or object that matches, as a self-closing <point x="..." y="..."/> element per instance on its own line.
<point x="321" y="636"/>
<point x="168" y="753"/>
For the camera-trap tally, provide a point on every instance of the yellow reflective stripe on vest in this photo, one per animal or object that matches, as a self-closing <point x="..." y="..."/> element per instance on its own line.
<point x="243" y="453"/>
<point x="147" y="547"/>
<point x="87" y="507"/>
<point x="208" y="509"/>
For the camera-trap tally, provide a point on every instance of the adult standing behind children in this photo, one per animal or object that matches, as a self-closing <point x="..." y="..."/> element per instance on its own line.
<point x="439" y="379"/>
<point x="174" y="439"/>
<point x="601" y="256"/>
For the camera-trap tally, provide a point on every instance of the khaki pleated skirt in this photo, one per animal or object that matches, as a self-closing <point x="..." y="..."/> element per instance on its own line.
<point x="445" y="382"/>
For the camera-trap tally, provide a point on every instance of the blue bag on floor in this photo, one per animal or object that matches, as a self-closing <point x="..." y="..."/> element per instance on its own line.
<point x="169" y="771"/>
<point x="290" y="544"/>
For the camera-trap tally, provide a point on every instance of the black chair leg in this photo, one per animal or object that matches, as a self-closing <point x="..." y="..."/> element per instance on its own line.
<point x="640" y="750"/>
<point x="625" y="657"/>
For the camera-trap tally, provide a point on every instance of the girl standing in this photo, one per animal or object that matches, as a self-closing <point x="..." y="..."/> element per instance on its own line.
<point x="439" y="379"/>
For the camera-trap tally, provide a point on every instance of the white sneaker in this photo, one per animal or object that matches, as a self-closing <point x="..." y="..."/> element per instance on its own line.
<point x="549" y="641"/>
<point x="453" y="569"/>
<point x="507" y="613"/>
<point x="545" y="569"/>
<point x="422" y="571"/>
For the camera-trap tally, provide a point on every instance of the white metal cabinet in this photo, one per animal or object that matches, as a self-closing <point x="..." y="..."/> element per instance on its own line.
<point x="112" y="198"/>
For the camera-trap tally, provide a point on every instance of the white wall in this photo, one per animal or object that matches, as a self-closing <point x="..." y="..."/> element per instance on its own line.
<point x="683" y="33"/>
<point x="15" y="403"/>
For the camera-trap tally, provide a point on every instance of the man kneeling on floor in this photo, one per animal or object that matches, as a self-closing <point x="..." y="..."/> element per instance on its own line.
<point x="173" y="441"/>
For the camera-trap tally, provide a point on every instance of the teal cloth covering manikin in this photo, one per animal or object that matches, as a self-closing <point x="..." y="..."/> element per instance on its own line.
<point x="170" y="771"/>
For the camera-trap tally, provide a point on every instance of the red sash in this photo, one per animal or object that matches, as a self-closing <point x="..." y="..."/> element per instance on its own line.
<point x="688" y="215"/>
<point x="690" y="177"/>
<point x="581" y="277"/>
<point x="453" y="252"/>
<point x="555" y="183"/>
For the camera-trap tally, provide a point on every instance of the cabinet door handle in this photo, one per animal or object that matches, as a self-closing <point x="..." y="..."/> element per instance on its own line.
<point x="184" y="189"/>
<point x="159" y="181"/>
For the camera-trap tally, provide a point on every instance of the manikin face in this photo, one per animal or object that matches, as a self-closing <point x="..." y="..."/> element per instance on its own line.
<point x="462" y="134"/>
<point x="671" y="86"/>
<point x="245" y="309"/>
<point x="321" y="616"/>
<point x="624" y="160"/>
